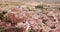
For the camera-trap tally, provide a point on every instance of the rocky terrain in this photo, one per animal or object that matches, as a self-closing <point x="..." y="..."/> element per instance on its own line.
<point x="29" y="16"/>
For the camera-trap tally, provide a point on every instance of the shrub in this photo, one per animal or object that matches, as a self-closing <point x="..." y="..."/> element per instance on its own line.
<point x="39" y="6"/>
<point x="59" y="8"/>
<point x="2" y="15"/>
